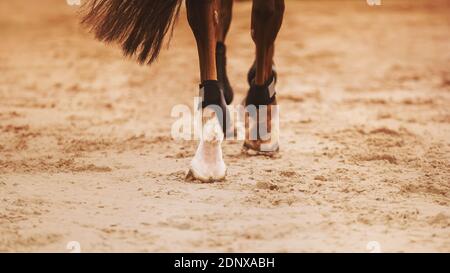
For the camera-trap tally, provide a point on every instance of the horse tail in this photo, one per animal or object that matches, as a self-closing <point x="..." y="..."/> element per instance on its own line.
<point x="139" y="26"/>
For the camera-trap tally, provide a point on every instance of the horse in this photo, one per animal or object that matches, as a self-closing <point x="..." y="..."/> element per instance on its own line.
<point x="141" y="26"/>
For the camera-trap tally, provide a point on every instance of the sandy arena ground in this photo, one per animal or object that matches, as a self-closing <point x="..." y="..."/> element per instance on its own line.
<point x="86" y="153"/>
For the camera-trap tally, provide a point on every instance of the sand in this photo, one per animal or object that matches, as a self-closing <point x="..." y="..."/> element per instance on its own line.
<point x="86" y="153"/>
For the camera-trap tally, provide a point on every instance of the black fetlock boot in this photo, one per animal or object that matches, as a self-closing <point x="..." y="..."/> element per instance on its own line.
<point x="251" y="75"/>
<point x="221" y="63"/>
<point x="213" y="95"/>
<point x="262" y="94"/>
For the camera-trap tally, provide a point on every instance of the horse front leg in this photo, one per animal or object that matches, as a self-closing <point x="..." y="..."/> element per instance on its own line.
<point x="267" y="18"/>
<point x="207" y="164"/>
<point x="262" y="123"/>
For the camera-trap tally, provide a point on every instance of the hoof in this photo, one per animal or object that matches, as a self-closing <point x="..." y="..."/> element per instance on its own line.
<point x="207" y="165"/>
<point x="191" y="176"/>
<point x="253" y="148"/>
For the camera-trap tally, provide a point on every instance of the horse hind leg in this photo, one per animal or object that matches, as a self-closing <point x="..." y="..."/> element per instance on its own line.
<point x="207" y="164"/>
<point x="224" y="12"/>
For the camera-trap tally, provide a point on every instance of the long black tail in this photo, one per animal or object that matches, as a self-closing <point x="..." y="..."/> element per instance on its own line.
<point x="139" y="26"/>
